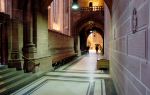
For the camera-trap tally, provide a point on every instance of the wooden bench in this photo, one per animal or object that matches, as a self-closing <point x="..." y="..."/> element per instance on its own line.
<point x="61" y="59"/>
<point x="103" y="64"/>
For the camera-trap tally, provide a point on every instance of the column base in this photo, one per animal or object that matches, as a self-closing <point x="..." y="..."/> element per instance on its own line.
<point x="28" y="51"/>
<point x="79" y="53"/>
<point x="11" y="64"/>
<point x="28" y="67"/>
<point x="15" y="63"/>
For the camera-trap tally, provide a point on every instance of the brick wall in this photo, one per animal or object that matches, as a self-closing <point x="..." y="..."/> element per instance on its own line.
<point x="130" y="52"/>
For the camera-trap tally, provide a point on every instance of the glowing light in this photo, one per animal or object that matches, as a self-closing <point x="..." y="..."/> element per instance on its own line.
<point x="75" y="5"/>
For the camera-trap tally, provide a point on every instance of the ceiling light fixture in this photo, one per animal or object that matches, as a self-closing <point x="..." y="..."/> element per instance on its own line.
<point x="75" y="5"/>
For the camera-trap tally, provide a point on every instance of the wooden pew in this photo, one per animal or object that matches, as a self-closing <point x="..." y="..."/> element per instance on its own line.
<point x="61" y="59"/>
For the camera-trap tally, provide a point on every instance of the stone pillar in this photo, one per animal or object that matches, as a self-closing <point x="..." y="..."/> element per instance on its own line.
<point x="28" y="45"/>
<point x="77" y="45"/>
<point x="4" y="43"/>
<point x="34" y="20"/>
<point x="15" y="56"/>
<point x="14" y="60"/>
<point x="79" y="50"/>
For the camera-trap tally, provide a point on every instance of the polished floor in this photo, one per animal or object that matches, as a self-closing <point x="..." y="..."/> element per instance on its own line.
<point x="79" y="77"/>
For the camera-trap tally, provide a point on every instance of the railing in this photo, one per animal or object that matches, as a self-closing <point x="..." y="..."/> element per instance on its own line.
<point x="94" y="8"/>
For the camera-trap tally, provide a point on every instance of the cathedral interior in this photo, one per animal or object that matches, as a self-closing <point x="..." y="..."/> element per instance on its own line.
<point x="74" y="47"/>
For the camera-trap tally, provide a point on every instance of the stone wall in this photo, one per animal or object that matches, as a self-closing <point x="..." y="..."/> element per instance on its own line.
<point x="60" y="43"/>
<point x="49" y="43"/>
<point x="43" y="54"/>
<point x="42" y="37"/>
<point x="130" y="51"/>
<point x="107" y="32"/>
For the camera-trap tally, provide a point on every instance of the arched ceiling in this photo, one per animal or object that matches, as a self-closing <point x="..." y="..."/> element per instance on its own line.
<point x="43" y="4"/>
<point x="98" y="20"/>
<point x="108" y="3"/>
<point x="83" y="22"/>
<point x="97" y="29"/>
<point x="86" y="26"/>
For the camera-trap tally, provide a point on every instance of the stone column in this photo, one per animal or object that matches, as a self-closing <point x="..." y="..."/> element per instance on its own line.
<point x="14" y="60"/>
<point x="34" y="20"/>
<point x="75" y="41"/>
<point x="79" y="50"/>
<point x="4" y="43"/>
<point x="15" y="56"/>
<point x="77" y="45"/>
<point x="28" y="45"/>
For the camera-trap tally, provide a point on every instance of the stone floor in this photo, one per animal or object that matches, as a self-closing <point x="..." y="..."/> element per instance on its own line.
<point x="79" y="77"/>
<point x="1" y="66"/>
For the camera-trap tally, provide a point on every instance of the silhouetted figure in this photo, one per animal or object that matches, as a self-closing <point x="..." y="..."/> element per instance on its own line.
<point x="96" y="49"/>
<point x="88" y="47"/>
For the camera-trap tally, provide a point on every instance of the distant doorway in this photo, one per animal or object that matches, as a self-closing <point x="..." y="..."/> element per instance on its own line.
<point x="95" y="40"/>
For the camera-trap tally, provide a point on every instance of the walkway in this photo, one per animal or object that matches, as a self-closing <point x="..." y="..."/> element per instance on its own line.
<point x="78" y="77"/>
<point x="87" y="63"/>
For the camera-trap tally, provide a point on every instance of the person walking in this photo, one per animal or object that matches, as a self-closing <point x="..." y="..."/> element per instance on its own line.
<point x="96" y="49"/>
<point x="88" y="47"/>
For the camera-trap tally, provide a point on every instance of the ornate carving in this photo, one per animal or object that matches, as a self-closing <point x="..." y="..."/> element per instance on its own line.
<point x="134" y="21"/>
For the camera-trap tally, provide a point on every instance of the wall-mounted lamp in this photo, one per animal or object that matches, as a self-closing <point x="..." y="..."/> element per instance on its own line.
<point x="75" y="5"/>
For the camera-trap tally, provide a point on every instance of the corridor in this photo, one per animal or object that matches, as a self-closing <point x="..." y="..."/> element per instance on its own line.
<point x="44" y="47"/>
<point x="78" y="77"/>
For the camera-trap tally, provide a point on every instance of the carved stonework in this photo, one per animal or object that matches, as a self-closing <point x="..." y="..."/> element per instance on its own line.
<point x="134" y="21"/>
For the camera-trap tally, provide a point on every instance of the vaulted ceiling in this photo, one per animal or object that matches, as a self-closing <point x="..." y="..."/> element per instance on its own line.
<point x="43" y="4"/>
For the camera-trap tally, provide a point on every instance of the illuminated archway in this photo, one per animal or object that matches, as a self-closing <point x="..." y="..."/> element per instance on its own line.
<point x="95" y="39"/>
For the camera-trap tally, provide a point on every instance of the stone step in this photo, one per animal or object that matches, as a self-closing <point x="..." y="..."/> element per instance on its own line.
<point x="8" y="89"/>
<point x="8" y="75"/>
<point x="12" y="80"/>
<point x="4" y="71"/>
<point x="3" y="67"/>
